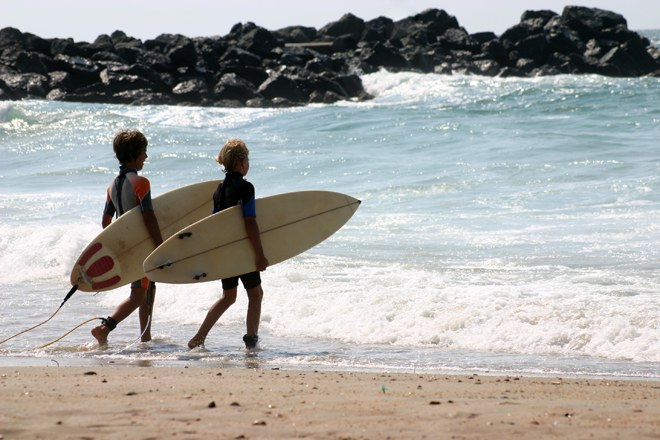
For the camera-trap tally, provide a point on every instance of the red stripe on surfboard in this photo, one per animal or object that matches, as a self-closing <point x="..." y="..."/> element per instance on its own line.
<point x="107" y="283"/>
<point x="90" y="252"/>
<point x="100" y="266"/>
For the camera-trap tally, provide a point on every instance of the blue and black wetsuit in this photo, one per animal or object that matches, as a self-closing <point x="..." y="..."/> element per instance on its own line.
<point x="235" y="190"/>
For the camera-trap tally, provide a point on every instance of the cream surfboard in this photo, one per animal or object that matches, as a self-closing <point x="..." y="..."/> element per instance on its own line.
<point x="114" y="258"/>
<point x="218" y="246"/>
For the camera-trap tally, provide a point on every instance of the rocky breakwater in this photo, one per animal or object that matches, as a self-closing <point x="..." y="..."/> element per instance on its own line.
<point x="255" y="67"/>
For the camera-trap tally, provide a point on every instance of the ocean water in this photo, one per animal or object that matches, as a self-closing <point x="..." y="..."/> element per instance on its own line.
<point x="507" y="226"/>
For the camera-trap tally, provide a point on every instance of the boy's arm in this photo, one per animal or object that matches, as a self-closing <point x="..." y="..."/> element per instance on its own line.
<point x="252" y="228"/>
<point x="107" y="219"/>
<point x="151" y="222"/>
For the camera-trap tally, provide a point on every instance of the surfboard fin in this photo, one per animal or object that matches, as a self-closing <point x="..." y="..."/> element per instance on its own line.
<point x="184" y="235"/>
<point x="164" y="265"/>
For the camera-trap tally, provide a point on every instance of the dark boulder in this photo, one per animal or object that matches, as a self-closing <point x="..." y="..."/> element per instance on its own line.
<point x="330" y="97"/>
<point x="382" y="55"/>
<point x="419" y="37"/>
<point x="494" y="49"/>
<point x="183" y="54"/>
<point x="436" y="21"/>
<point x="343" y="43"/>
<point x="483" y="37"/>
<point x="620" y="34"/>
<point x="239" y="30"/>
<point x="348" y="24"/>
<point x="12" y="38"/>
<point x="319" y="84"/>
<point x="83" y="72"/>
<point x="192" y="91"/>
<point x="564" y="40"/>
<point x="117" y="82"/>
<point x="120" y="39"/>
<point x="381" y="26"/>
<point x="67" y="47"/>
<point x="631" y="58"/>
<point x="301" y="52"/>
<point x="561" y="62"/>
<point x="258" y="41"/>
<point x="296" y="34"/>
<point x="233" y="87"/>
<point x="525" y="65"/>
<point x="157" y="61"/>
<point x="27" y="62"/>
<point x="458" y="39"/>
<point x="319" y="64"/>
<point x="420" y="58"/>
<point x="519" y="32"/>
<point x="25" y="85"/>
<point x="352" y="84"/>
<point x="488" y="67"/>
<point x="108" y="56"/>
<point x="103" y="43"/>
<point x="60" y="80"/>
<point x="242" y="56"/>
<point x="545" y="15"/>
<point x="589" y="22"/>
<point x="535" y="47"/>
<point x="255" y="75"/>
<point x="281" y="86"/>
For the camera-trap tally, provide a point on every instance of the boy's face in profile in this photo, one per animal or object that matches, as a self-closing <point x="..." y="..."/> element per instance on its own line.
<point x="139" y="161"/>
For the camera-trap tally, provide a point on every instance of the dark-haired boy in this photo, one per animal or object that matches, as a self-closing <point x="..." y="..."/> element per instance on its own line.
<point x="127" y="191"/>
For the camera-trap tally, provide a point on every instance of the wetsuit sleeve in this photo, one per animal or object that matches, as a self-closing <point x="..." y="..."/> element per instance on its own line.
<point x="248" y="201"/>
<point x="142" y="190"/>
<point x="109" y="208"/>
<point x="250" y="209"/>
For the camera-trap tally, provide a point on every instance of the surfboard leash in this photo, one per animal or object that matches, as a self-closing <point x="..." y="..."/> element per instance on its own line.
<point x="67" y="333"/>
<point x="66" y="298"/>
<point x="150" y="301"/>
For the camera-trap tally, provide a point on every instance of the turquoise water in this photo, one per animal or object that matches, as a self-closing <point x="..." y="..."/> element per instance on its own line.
<point x="507" y="225"/>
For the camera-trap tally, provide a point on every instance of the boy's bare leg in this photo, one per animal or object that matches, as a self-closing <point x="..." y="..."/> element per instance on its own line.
<point x="128" y="306"/>
<point x="254" y="310"/>
<point x="144" y="315"/>
<point x="214" y="313"/>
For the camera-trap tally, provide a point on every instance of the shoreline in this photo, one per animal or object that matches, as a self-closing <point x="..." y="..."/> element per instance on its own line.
<point x="256" y="363"/>
<point x="207" y="402"/>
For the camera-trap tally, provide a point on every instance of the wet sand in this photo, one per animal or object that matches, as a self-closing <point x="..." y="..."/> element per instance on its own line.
<point x="119" y="402"/>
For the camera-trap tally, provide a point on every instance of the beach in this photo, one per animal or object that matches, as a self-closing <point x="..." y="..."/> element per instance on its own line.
<point x="108" y="402"/>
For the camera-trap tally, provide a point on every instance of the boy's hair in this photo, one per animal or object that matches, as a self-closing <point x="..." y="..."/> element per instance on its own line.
<point x="128" y="145"/>
<point x="232" y="154"/>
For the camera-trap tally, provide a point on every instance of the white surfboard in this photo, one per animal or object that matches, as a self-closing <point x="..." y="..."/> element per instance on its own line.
<point x="114" y="258"/>
<point x="218" y="246"/>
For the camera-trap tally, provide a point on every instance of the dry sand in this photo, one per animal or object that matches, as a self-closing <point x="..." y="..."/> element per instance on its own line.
<point x="207" y="403"/>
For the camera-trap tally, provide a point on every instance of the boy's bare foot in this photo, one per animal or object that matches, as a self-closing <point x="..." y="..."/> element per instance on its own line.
<point x="101" y="334"/>
<point x="196" y="341"/>
<point x="146" y="338"/>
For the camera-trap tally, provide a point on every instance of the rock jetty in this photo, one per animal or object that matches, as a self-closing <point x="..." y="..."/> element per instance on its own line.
<point x="297" y="65"/>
